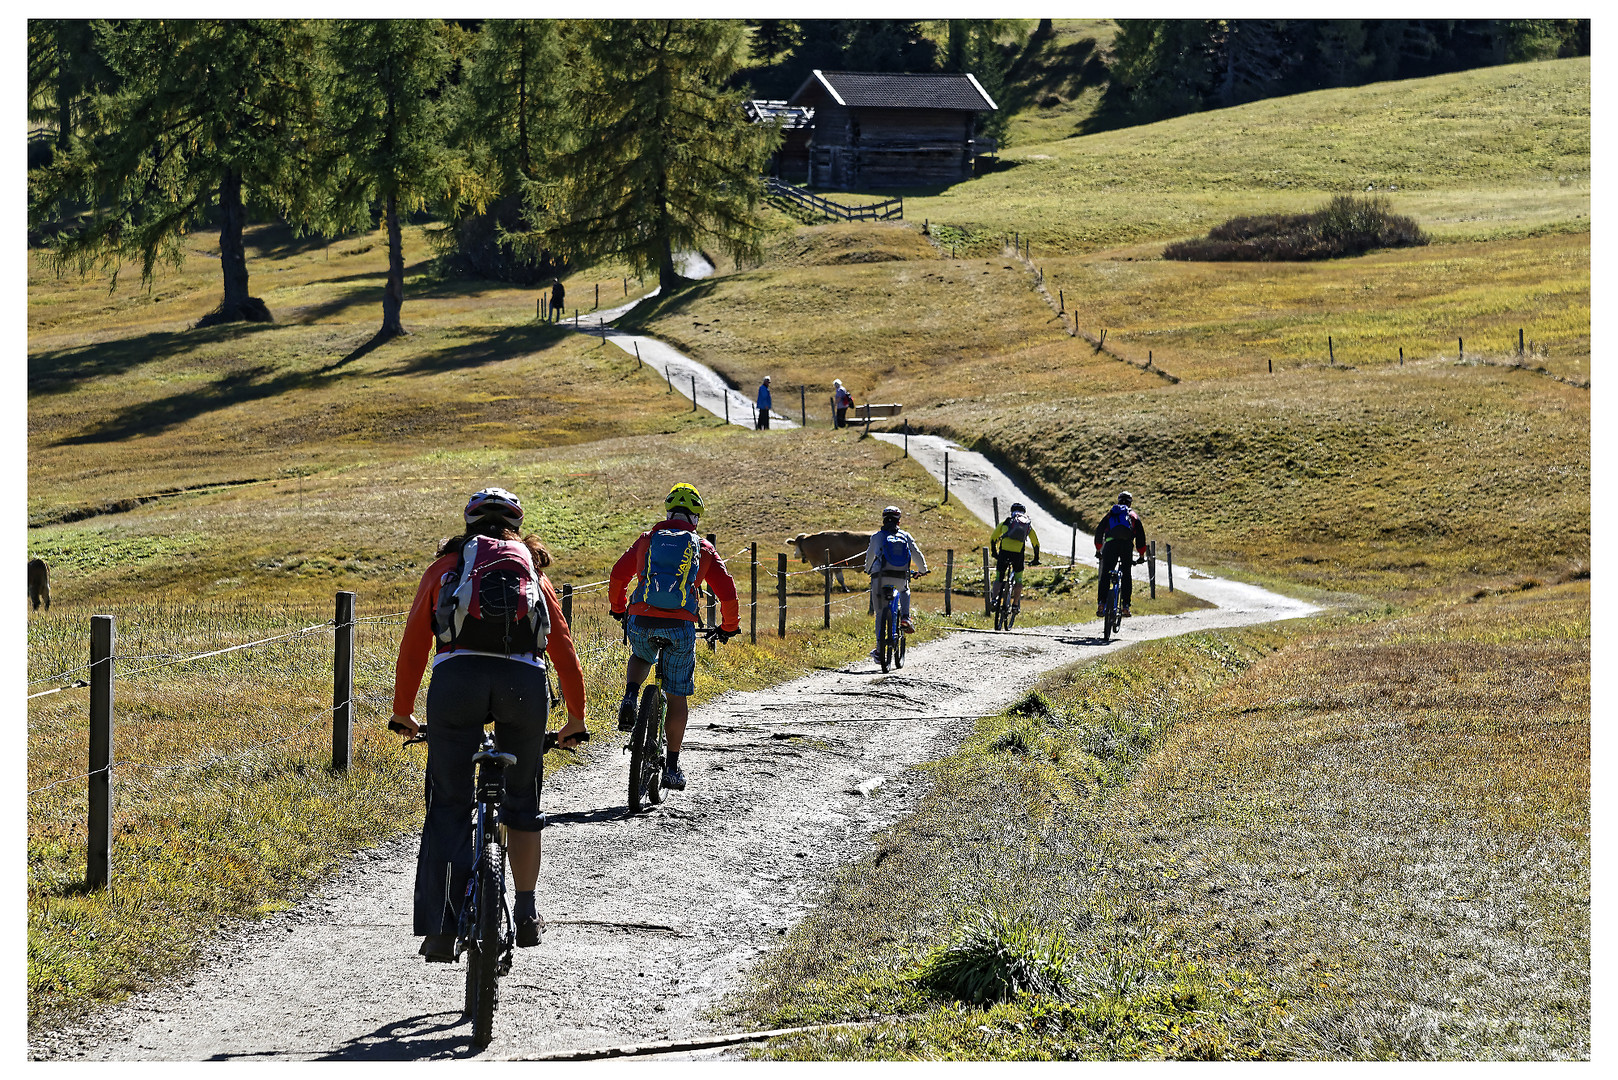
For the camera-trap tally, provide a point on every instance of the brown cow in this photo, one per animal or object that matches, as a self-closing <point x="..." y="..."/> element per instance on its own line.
<point x="843" y="550"/>
<point x="39" y="583"/>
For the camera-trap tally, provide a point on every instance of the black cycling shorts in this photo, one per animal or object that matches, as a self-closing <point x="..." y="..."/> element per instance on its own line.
<point x="1013" y="559"/>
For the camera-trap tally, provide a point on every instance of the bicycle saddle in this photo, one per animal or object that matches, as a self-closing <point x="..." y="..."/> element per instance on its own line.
<point x="495" y="756"/>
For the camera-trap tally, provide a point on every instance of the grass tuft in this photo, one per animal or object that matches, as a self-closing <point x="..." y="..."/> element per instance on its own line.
<point x="995" y="958"/>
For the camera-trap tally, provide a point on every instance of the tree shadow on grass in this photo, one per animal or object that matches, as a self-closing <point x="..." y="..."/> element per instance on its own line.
<point x="57" y="371"/>
<point x="264" y="382"/>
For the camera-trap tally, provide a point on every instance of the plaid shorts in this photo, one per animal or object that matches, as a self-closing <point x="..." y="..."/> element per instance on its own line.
<point x="679" y="657"/>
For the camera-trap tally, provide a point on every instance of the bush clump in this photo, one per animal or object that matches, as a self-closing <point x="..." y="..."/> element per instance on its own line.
<point x="993" y="958"/>
<point x="1348" y="225"/>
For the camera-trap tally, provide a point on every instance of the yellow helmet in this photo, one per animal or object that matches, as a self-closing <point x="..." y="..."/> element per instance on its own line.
<point x="683" y="497"/>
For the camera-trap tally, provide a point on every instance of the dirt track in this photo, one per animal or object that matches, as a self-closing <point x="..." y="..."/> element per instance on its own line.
<point x="653" y="920"/>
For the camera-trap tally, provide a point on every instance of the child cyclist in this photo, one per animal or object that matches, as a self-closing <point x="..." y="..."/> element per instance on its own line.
<point x="671" y="561"/>
<point x="888" y="560"/>
<point x="492" y="611"/>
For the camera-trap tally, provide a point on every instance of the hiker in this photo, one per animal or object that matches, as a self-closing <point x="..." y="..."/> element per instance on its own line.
<point x="841" y="402"/>
<point x="558" y="295"/>
<point x="763" y="422"/>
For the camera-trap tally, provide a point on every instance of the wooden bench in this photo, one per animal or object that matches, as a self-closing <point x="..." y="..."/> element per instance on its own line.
<point x="863" y="413"/>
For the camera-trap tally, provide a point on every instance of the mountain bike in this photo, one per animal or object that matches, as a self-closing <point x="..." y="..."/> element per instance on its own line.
<point x="485" y="931"/>
<point x="1111" y="612"/>
<point x="647" y="744"/>
<point x="890" y="638"/>
<point x="1001" y="604"/>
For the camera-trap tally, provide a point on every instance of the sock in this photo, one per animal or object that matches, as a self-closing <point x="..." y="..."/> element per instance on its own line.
<point x="525" y="911"/>
<point x="674" y="759"/>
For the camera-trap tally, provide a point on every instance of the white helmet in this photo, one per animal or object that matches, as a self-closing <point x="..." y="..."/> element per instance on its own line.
<point x="494" y="503"/>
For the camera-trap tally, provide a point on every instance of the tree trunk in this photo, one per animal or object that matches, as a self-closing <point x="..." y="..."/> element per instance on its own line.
<point x="237" y="305"/>
<point x="393" y="295"/>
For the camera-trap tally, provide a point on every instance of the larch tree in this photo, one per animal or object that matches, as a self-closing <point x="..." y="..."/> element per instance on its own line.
<point x="205" y="118"/>
<point x="383" y="133"/>
<point x="659" y="157"/>
<point x="504" y="117"/>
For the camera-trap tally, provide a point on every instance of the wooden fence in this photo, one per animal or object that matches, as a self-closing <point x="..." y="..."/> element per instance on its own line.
<point x="887" y="210"/>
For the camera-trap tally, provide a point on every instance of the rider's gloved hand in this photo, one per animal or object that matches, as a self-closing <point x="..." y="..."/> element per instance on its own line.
<point x="620" y="615"/>
<point x="726" y="635"/>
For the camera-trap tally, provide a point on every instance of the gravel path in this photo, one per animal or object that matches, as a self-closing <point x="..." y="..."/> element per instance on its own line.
<point x="653" y="920"/>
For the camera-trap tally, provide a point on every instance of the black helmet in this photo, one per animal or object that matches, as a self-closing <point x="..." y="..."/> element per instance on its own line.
<point x="1126" y="499"/>
<point x="890" y="514"/>
<point x="1018" y="508"/>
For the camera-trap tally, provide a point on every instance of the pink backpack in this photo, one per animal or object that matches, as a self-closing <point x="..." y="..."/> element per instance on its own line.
<point x="491" y="601"/>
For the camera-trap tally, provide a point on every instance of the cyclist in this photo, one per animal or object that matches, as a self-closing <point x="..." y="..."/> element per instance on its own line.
<point x="1008" y="541"/>
<point x="1118" y="528"/>
<point x="888" y="560"/>
<point x="486" y="667"/>
<point x="671" y="561"/>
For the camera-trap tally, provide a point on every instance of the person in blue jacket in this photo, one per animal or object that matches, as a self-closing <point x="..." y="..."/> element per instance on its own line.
<point x="763" y="423"/>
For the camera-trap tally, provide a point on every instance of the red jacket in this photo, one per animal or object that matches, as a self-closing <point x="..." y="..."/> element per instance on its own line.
<point x="418" y="641"/>
<point x="710" y="571"/>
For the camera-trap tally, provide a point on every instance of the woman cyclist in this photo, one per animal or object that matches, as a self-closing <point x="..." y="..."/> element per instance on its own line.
<point x="485" y="669"/>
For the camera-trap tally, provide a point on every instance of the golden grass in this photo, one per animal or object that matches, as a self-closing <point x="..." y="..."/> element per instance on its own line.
<point x="1354" y="840"/>
<point x="1477" y="154"/>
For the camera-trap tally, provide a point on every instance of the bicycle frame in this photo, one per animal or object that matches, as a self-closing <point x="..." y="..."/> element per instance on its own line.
<point x="486" y="826"/>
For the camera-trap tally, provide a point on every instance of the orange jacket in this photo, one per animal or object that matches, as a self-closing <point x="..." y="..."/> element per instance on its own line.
<point x="417" y="643"/>
<point x="710" y="571"/>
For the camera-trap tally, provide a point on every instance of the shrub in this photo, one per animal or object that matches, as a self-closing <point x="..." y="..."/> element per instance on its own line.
<point x="1348" y="225"/>
<point x="993" y="958"/>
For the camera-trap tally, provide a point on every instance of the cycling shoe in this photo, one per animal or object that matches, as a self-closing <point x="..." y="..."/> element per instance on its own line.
<point x="439" y="948"/>
<point x="530" y="932"/>
<point x="626" y="714"/>
<point x="673" y="778"/>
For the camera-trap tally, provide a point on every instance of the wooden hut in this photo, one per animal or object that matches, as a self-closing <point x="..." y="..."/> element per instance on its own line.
<point x="876" y="130"/>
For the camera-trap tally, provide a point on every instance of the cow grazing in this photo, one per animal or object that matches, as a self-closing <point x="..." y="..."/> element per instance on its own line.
<point x="39" y="583"/>
<point x="839" y="549"/>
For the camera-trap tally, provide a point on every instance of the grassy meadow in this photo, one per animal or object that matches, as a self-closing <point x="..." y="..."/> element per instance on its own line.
<point x="1365" y="835"/>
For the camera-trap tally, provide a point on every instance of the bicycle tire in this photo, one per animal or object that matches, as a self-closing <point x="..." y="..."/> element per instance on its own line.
<point x="884" y="647"/>
<point x="1106" y="612"/>
<point x="1011" y="617"/>
<point x="899" y="654"/>
<point x="651" y="761"/>
<point x="483" y="959"/>
<point x="637" y="748"/>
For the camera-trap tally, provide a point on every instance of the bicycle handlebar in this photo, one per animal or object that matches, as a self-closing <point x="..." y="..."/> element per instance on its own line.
<point x="419" y="736"/>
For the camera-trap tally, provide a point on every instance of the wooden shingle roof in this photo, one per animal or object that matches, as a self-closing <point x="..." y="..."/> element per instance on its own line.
<point x="895" y="90"/>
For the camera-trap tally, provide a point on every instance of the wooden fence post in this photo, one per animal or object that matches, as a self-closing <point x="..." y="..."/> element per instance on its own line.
<point x="946" y="476"/>
<point x="712" y="600"/>
<point x="598" y="296"/>
<point x="825" y="622"/>
<point x="1519" y="341"/>
<point x="1401" y="356"/>
<point x="996" y="502"/>
<point x="342" y="685"/>
<point x="727" y="408"/>
<point x="752" y="629"/>
<point x="639" y="363"/>
<point x="985" y="581"/>
<point x="803" y="406"/>
<point x="670" y="377"/>
<point x="1151" y="567"/>
<point x="567" y="604"/>
<point x="949" y="577"/>
<point x="1168" y="550"/>
<point x="907" y="437"/>
<point x="1460" y="348"/>
<point x="1331" y="353"/>
<point x="1073" y="552"/>
<point x="693" y="393"/>
<point x="781" y="592"/>
<point x="98" y="853"/>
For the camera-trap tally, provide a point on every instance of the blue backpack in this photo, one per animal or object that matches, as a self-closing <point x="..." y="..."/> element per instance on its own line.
<point x="668" y="580"/>
<point x="895" y="552"/>
<point x="1117" y="525"/>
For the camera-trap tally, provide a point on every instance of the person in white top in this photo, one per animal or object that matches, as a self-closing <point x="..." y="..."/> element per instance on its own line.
<point x="890" y="560"/>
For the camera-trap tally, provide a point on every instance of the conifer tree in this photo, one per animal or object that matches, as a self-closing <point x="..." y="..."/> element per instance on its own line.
<point x="205" y="120"/>
<point x="505" y="120"/>
<point x="383" y="132"/>
<point x="659" y="158"/>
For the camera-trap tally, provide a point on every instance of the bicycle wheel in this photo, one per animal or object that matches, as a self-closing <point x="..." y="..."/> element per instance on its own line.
<point x="884" y="643"/>
<point x="651" y="761"/>
<point x="646" y="716"/>
<point x="899" y="650"/>
<point x="483" y="958"/>
<point x="1109" y="613"/>
<point x="1011" y="616"/>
